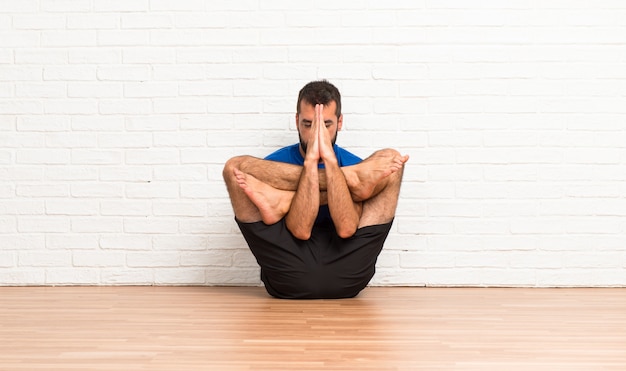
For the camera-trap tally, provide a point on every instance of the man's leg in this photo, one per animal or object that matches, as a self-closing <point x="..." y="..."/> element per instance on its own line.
<point x="362" y="179"/>
<point x="380" y="208"/>
<point x="366" y="179"/>
<point x="252" y="199"/>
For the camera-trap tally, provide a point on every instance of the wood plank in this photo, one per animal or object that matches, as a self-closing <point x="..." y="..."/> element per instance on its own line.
<point x="241" y="328"/>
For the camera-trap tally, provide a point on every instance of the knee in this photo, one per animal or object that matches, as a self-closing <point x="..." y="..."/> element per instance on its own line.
<point x="388" y="152"/>
<point x="231" y="164"/>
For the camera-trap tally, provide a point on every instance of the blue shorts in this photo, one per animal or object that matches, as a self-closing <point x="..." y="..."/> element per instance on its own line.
<point x="324" y="267"/>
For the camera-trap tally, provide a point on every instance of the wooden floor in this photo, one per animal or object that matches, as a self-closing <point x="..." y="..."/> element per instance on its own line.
<point x="241" y="328"/>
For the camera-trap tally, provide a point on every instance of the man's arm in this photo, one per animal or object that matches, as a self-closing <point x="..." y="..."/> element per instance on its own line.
<point x="305" y="204"/>
<point x="306" y="201"/>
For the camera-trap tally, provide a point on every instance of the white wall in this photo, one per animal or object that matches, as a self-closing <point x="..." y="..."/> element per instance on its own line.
<point x="116" y="117"/>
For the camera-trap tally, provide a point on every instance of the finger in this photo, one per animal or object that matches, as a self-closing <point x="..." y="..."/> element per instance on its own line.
<point x="318" y="118"/>
<point x="319" y="115"/>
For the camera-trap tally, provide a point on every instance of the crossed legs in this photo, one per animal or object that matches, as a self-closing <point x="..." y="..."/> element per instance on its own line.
<point x="262" y="190"/>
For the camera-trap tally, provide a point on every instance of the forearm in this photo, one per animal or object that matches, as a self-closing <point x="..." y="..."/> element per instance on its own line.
<point x="279" y="175"/>
<point x="305" y="203"/>
<point x="344" y="212"/>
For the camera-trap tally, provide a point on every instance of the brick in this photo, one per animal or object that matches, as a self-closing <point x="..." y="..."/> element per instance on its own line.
<point x="7" y="259"/>
<point x="164" y="190"/>
<point x="201" y="88"/>
<point x="124" y="140"/>
<point x="182" y="139"/>
<point x="180" y="276"/>
<point x="97" y="190"/>
<point x="182" y="209"/>
<point x="177" y="38"/>
<point x="135" y="106"/>
<point x="123" y="37"/>
<point x="71" y="276"/>
<point x="20" y="39"/>
<point x="152" y="156"/>
<point x="230" y="276"/>
<point x="42" y="156"/>
<point x="44" y="259"/>
<point x="70" y="107"/>
<point x="96" y="55"/>
<point x="150" y="89"/>
<point x="198" y="20"/>
<point x="95" y="157"/>
<point x="180" y="173"/>
<point x="71" y="241"/>
<point x="241" y="259"/>
<point x="21" y="207"/>
<point x="9" y="224"/>
<point x="22" y="276"/>
<point x="89" y="123"/>
<point x="97" y="225"/>
<point x="102" y="259"/>
<point x="152" y="123"/>
<point x="126" y="174"/>
<point x="123" y="73"/>
<point x="21" y="140"/>
<point x="92" y="21"/>
<point x="125" y="242"/>
<point x="71" y="173"/>
<point x="94" y="90"/>
<point x="125" y="208"/>
<point x="26" y="6"/>
<point x="126" y="276"/>
<point x="146" y="21"/>
<point x="213" y="258"/>
<point x="41" y="90"/>
<point x="179" y="105"/>
<point x="38" y="22"/>
<point x="152" y="259"/>
<point x="182" y="243"/>
<point x="42" y="190"/>
<point x="71" y="207"/>
<point x="70" y="140"/>
<point x="46" y="224"/>
<point x="181" y="5"/>
<point x="68" y="38"/>
<point x="121" y="5"/>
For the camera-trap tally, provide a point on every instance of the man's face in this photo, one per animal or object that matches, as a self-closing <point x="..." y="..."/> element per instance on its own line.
<point x="304" y="121"/>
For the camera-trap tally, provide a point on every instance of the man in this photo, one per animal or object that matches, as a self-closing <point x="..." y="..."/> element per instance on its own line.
<point x="314" y="215"/>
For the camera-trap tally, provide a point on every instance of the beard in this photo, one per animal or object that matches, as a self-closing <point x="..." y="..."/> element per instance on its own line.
<point x="304" y="145"/>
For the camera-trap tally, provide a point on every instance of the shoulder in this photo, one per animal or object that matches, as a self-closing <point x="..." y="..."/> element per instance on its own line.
<point x="345" y="157"/>
<point x="290" y="154"/>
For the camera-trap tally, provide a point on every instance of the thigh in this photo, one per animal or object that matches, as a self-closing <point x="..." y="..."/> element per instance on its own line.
<point x="381" y="209"/>
<point x="288" y="268"/>
<point x="350" y="263"/>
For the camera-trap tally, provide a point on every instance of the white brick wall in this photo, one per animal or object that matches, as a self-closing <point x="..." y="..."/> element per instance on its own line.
<point x="117" y="116"/>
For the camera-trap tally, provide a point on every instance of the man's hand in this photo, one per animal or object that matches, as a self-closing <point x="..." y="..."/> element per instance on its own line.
<point x="327" y="153"/>
<point x="313" y="147"/>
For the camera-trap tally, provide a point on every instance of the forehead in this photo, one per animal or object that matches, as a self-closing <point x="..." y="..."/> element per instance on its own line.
<point x="307" y="108"/>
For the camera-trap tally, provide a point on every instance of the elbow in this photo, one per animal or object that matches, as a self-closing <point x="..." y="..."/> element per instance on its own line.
<point x="301" y="234"/>
<point x="346" y="232"/>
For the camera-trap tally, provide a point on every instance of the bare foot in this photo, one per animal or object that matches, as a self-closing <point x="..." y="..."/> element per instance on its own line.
<point x="272" y="203"/>
<point x="363" y="178"/>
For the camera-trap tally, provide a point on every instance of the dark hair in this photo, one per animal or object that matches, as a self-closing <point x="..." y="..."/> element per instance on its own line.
<point x="320" y="92"/>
